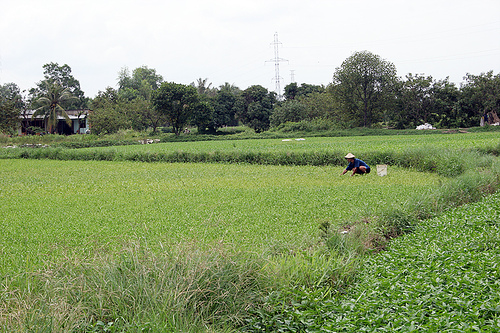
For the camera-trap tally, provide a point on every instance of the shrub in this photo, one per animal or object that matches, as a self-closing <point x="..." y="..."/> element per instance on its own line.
<point x="306" y="126"/>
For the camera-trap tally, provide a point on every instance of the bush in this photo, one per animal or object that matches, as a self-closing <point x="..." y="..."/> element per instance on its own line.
<point x="290" y="111"/>
<point x="306" y="126"/>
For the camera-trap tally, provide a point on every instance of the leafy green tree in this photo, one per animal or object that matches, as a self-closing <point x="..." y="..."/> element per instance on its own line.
<point x="421" y="99"/>
<point x="290" y="110"/>
<point x="134" y="94"/>
<point x="293" y="91"/>
<point x="138" y="112"/>
<point x="365" y="87"/>
<point x="109" y="95"/>
<point x="140" y="84"/>
<point x="11" y="107"/>
<point x="60" y="75"/>
<point x="11" y="92"/>
<point x="112" y="112"/>
<point x="415" y="100"/>
<point x="226" y="105"/>
<point x="149" y="115"/>
<point x="204" y="113"/>
<point x="314" y="102"/>
<point x="51" y="105"/>
<point x="203" y="117"/>
<point x="446" y="96"/>
<point x="257" y="108"/>
<point x="308" y="89"/>
<point x="106" y="120"/>
<point x="217" y="107"/>
<point x="107" y="114"/>
<point x="9" y="116"/>
<point x="177" y="102"/>
<point x="149" y="75"/>
<point x="480" y="95"/>
<point x="324" y="105"/>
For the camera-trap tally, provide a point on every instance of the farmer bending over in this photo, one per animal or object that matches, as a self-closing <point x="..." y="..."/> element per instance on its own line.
<point x="356" y="165"/>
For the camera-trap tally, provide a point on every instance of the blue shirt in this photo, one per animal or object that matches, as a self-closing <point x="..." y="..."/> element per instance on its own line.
<point x="356" y="164"/>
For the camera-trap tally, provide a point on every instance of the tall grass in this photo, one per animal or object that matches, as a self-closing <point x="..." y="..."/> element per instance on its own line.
<point x="136" y="290"/>
<point x="181" y="289"/>
<point x="444" y="161"/>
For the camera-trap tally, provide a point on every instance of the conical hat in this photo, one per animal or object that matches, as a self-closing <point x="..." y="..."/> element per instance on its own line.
<point x="350" y="156"/>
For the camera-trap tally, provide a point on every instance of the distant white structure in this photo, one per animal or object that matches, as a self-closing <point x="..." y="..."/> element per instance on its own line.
<point x="425" y="126"/>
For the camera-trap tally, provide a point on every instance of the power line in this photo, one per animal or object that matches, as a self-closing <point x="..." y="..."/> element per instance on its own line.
<point x="456" y="56"/>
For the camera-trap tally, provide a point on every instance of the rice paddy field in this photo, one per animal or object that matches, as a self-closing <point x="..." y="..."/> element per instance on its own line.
<point x="457" y="141"/>
<point x="56" y="209"/>
<point x="68" y="226"/>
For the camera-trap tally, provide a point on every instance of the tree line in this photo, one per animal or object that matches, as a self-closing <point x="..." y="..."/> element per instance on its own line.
<point x="365" y="92"/>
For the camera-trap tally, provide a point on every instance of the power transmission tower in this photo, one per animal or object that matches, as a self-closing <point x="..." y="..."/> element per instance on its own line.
<point x="292" y="76"/>
<point x="277" y="61"/>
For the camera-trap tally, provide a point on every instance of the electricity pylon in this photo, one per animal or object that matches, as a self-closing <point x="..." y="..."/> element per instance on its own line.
<point x="277" y="60"/>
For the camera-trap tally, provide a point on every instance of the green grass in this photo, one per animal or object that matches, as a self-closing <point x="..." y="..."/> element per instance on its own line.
<point x="71" y="208"/>
<point x="359" y="144"/>
<point x="448" y="155"/>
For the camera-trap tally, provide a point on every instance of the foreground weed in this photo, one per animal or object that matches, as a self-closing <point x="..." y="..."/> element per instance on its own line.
<point x="182" y="290"/>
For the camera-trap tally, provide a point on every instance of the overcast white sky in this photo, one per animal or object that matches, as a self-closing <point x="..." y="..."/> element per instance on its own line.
<point x="232" y="40"/>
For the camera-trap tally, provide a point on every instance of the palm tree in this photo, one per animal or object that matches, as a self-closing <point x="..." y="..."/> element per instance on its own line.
<point x="204" y="87"/>
<point x="51" y="105"/>
<point x="229" y="88"/>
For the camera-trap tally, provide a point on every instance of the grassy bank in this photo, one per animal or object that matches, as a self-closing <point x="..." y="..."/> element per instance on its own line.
<point x="443" y="277"/>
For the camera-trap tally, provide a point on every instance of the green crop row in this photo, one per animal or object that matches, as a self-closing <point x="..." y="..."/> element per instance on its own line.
<point x="459" y="141"/>
<point x="443" y="277"/>
<point x="442" y="161"/>
<point x="448" y="154"/>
